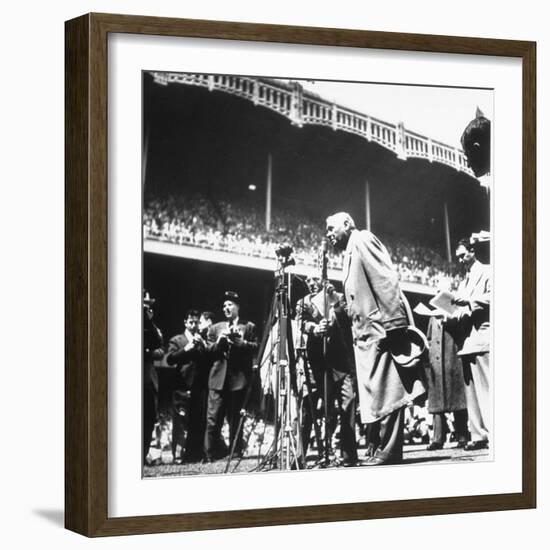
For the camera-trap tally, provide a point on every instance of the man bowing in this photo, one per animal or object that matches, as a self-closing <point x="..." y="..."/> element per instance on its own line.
<point x="380" y="319"/>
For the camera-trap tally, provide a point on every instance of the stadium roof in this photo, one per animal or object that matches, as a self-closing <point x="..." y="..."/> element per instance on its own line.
<point x="301" y="106"/>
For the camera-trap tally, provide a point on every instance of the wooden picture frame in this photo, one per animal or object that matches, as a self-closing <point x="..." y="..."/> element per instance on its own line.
<point x="86" y="279"/>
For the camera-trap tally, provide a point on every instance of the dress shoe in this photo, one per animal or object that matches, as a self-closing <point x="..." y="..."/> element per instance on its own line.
<point x="476" y="445"/>
<point x="348" y="463"/>
<point x="378" y="461"/>
<point x="190" y="458"/>
<point x="434" y="446"/>
<point x="461" y="443"/>
<point x="371" y="450"/>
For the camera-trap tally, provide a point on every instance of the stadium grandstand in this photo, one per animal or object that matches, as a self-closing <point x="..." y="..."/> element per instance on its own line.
<point x="239" y="229"/>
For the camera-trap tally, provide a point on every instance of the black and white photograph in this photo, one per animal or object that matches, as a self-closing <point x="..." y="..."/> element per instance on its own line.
<point x="282" y="267"/>
<point x="316" y="274"/>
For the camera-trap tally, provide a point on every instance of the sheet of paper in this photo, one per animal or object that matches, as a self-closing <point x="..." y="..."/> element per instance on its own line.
<point x="443" y="300"/>
<point x="422" y="309"/>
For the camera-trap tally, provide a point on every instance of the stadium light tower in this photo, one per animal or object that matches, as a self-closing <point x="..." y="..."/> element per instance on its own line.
<point x="367" y="205"/>
<point x="268" y="195"/>
<point x="447" y="232"/>
<point x="144" y="154"/>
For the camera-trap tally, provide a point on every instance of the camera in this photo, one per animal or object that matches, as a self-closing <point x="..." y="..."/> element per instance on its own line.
<point x="234" y="333"/>
<point x="284" y="254"/>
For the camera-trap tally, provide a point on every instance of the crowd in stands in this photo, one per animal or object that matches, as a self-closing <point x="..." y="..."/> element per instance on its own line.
<point x="239" y="227"/>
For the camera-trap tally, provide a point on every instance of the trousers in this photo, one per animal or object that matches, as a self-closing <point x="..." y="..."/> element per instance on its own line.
<point x="223" y="404"/>
<point x="385" y="436"/>
<point x="478" y="398"/>
<point x="343" y="391"/>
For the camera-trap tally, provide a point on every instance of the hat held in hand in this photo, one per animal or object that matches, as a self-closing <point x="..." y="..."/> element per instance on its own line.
<point x="407" y="346"/>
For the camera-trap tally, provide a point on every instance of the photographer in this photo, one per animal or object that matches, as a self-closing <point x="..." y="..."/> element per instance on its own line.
<point x="152" y="350"/>
<point x="206" y="320"/>
<point x="232" y="344"/>
<point x="187" y="352"/>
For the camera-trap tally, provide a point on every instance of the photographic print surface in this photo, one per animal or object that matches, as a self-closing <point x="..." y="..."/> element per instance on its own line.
<point x="316" y="274"/>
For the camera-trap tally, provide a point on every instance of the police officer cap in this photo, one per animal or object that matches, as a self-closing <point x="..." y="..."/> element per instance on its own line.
<point x="233" y="296"/>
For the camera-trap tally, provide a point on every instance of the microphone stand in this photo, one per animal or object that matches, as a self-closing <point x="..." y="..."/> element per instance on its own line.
<point x="324" y="282"/>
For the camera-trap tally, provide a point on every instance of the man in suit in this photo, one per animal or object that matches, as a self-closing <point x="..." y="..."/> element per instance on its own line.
<point x="152" y="351"/>
<point x="187" y="352"/>
<point x="232" y="345"/>
<point x="206" y="320"/>
<point x="473" y="315"/>
<point x="379" y="316"/>
<point x="337" y="364"/>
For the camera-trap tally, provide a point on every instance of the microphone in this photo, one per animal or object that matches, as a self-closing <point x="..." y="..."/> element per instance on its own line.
<point x="323" y="258"/>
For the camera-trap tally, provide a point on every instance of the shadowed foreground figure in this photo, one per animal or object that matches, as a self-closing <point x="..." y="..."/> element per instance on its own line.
<point x="476" y="142"/>
<point x="379" y="318"/>
<point x="152" y="350"/>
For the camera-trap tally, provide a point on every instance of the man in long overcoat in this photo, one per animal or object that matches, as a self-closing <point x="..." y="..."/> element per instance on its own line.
<point x="445" y="381"/>
<point x="379" y="315"/>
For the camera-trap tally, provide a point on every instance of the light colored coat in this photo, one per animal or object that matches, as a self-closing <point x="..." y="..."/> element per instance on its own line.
<point x="376" y="305"/>
<point x="444" y="368"/>
<point x="372" y="287"/>
<point x="474" y="320"/>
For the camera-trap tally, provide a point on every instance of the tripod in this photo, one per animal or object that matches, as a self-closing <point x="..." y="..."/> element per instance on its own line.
<point x="287" y="450"/>
<point x="284" y="384"/>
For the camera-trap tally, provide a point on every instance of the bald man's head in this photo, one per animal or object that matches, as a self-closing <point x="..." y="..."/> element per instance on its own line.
<point x="339" y="228"/>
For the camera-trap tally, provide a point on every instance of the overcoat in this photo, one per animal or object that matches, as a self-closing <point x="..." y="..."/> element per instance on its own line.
<point x="232" y="365"/>
<point x="376" y="306"/>
<point x="444" y="368"/>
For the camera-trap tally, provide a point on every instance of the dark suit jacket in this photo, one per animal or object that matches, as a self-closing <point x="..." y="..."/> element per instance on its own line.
<point x="232" y="364"/>
<point x="339" y="355"/>
<point x="152" y="351"/>
<point x="192" y="363"/>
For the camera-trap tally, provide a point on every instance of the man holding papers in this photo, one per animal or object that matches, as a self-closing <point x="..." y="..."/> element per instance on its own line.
<point x="473" y="298"/>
